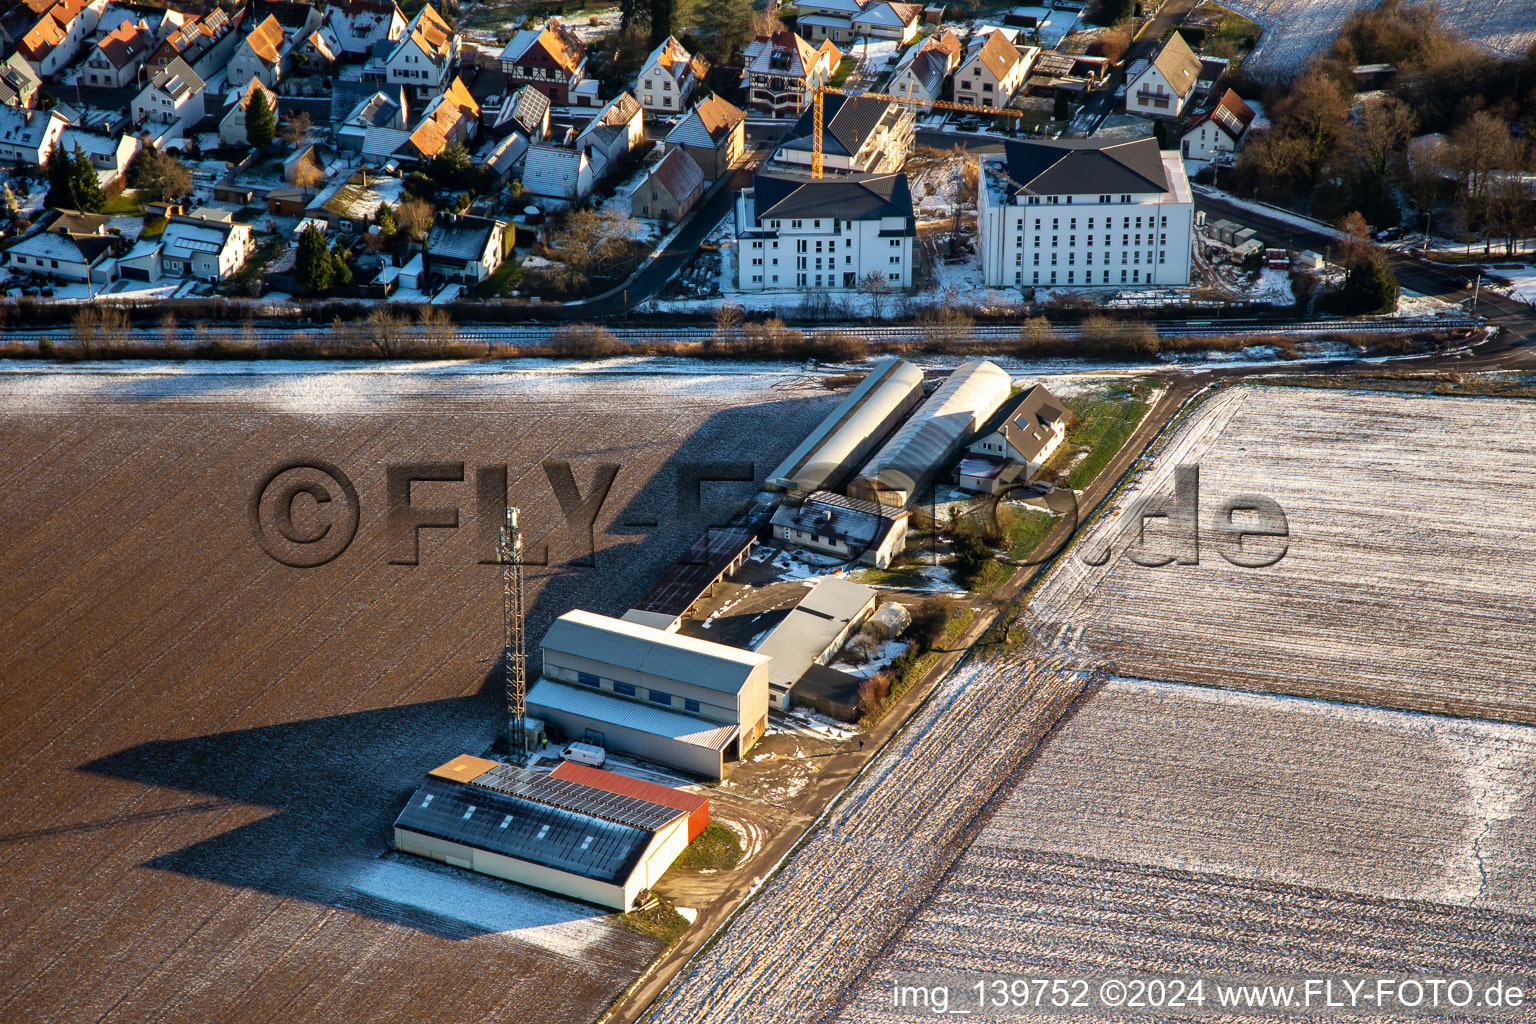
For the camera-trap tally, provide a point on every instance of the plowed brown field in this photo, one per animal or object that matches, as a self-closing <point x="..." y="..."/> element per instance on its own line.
<point x="204" y="749"/>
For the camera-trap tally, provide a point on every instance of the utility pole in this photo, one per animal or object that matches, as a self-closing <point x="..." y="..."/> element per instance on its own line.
<point x="514" y="651"/>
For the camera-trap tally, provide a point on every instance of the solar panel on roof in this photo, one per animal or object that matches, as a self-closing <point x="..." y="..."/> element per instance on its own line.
<point x="575" y="796"/>
<point x="518" y="827"/>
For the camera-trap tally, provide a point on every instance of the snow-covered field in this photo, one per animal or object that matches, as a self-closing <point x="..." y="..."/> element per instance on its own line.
<point x="1167" y="828"/>
<point x="1297" y="30"/>
<point x="1409" y="574"/>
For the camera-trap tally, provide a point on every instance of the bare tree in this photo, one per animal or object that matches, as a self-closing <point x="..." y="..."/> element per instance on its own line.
<point x="306" y="174"/>
<point x="875" y="286"/>
<point x="387" y="330"/>
<point x="294" y="129"/>
<point x="592" y="243"/>
<point x="437" y="329"/>
<point x="84" y="329"/>
<point x="728" y="319"/>
<point x="415" y="218"/>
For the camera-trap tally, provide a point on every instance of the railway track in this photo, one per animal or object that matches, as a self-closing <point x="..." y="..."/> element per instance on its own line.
<point x="539" y="334"/>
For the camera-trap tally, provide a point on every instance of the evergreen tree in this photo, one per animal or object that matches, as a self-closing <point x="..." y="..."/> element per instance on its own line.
<point x="1369" y="286"/>
<point x="260" y="121"/>
<point x="8" y="200"/>
<point x="85" y="185"/>
<point x="312" y="265"/>
<point x="728" y="24"/>
<point x="341" y="271"/>
<point x="663" y="13"/>
<point x="61" y="188"/>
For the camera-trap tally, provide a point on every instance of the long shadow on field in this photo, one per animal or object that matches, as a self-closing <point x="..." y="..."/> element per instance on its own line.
<point x="336" y="784"/>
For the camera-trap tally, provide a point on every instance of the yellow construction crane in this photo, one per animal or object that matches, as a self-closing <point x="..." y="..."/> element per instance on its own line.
<point x="906" y="101"/>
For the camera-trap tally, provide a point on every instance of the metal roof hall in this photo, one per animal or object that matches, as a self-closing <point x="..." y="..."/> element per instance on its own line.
<point x="852" y="430"/>
<point x="940" y="427"/>
<point x="652" y="651"/>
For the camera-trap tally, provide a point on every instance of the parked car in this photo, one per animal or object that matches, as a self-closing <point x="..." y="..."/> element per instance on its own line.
<point x="584" y="753"/>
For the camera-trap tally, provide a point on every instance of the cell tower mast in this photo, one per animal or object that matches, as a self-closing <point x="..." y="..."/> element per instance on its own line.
<point x="514" y="651"/>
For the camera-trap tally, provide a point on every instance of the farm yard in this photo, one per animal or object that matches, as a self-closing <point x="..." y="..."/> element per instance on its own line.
<point x="1410" y="577"/>
<point x="1046" y="812"/>
<point x="206" y="749"/>
<point x="1297" y="30"/>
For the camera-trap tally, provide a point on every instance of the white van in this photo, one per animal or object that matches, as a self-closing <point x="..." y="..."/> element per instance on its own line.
<point x="584" y="753"/>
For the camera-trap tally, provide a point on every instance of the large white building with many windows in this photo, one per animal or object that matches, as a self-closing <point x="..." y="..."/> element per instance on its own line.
<point x="1085" y="213"/>
<point x="798" y="232"/>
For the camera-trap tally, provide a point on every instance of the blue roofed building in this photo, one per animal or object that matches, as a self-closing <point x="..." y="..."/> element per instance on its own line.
<point x="600" y="844"/>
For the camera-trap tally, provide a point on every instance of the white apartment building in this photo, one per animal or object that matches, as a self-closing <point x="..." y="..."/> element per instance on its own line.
<point x="1084" y="213"/>
<point x="797" y="232"/>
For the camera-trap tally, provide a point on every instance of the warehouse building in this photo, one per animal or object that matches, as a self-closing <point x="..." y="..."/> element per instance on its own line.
<point x="925" y="444"/>
<point x="813" y="632"/>
<point x="851" y="432"/>
<point x="601" y="843"/>
<point x="661" y="696"/>
<point x="846" y="527"/>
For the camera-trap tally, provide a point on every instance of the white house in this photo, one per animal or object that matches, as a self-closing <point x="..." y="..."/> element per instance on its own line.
<point x="860" y="135"/>
<point x="27" y="136"/>
<point x="848" y="528"/>
<point x="261" y="54"/>
<point x="463" y="248"/>
<point x="797" y="232"/>
<point x="205" y="43"/>
<point x="1164" y="85"/>
<point x="203" y="245"/>
<point x="883" y="19"/>
<point x="992" y="71"/>
<point x="557" y="172"/>
<point x="425" y="57"/>
<point x="359" y="25"/>
<point x="109" y="154"/>
<point x="1015" y="443"/>
<point x="924" y="67"/>
<point x="63" y="256"/>
<point x="612" y="133"/>
<point x="844" y="21"/>
<point x="669" y="77"/>
<point x="174" y="94"/>
<point x="1084" y="212"/>
<point x="116" y="59"/>
<point x="55" y="39"/>
<point x="1219" y="131"/>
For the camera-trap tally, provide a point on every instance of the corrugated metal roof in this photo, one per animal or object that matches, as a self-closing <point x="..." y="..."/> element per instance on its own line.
<point x="934" y="433"/>
<point x="517" y="827"/>
<point x="613" y="782"/>
<point x="653" y="651"/>
<point x="543" y="788"/>
<point x="804" y="635"/>
<point x="599" y="707"/>
<point x="851" y="431"/>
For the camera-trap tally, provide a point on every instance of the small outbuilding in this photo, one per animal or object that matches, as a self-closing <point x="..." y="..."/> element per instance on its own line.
<point x="813" y="632"/>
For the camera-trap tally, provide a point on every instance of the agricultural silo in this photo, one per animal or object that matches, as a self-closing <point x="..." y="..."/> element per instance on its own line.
<point x="942" y="425"/>
<point x="842" y="441"/>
